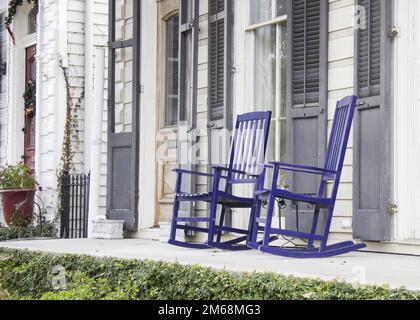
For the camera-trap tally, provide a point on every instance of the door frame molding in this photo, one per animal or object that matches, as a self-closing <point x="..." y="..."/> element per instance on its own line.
<point x="16" y="86"/>
<point x="165" y="10"/>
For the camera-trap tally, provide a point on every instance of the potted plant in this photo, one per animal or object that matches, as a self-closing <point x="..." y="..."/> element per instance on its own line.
<point x="17" y="192"/>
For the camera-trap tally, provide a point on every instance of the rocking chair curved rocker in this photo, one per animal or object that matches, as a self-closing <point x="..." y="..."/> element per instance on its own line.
<point x="246" y="160"/>
<point x="330" y="173"/>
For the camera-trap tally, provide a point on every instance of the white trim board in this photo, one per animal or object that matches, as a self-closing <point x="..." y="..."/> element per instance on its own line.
<point x="406" y="137"/>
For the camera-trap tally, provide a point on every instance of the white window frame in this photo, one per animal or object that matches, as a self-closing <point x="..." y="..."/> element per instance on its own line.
<point x="278" y="21"/>
<point x="244" y="58"/>
<point x="164" y="124"/>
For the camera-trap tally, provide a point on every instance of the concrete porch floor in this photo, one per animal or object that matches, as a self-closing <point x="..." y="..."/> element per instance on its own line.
<point x="358" y="267"/>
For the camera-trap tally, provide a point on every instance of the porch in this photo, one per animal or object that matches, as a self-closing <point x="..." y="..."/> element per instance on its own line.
<point x="359" y="267"/>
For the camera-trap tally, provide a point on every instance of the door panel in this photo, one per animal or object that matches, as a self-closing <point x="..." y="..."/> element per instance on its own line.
<point x="123" y="112"/>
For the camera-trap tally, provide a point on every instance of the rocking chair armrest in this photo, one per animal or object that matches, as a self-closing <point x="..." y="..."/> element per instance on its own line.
<point x="300" y="168"/>
<point x="194" y="173"/>
<point x="236" y="171"/>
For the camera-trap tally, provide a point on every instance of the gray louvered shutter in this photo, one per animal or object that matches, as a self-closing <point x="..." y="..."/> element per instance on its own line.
<point x="123" y="112"/>
<point x="220" y="82"/>
<point x="217" y="50"/>
<point x="372" y="132"/>
<point x="306" y="99"/>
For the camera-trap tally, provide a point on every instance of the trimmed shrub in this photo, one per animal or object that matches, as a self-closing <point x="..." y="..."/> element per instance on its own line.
<point x="34" y="275"/>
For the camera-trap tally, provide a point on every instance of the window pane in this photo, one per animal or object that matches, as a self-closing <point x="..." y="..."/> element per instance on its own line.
<point x="123" y="20"/>
<point x="264" y="10"/>
<point x="261" y="10"/>
<point x="186" y="78"/>
<point x="265" y="68"/>
<point x="281" y="8"/>
<point x="283" y="71"/>
<point x="270" y="85"/>
<point x="172" y="45"/>
<point x="123" y="90"/>
<point x="32" y="21"/>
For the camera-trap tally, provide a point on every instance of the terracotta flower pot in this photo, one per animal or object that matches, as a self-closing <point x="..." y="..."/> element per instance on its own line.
<point x="23" y="200"/>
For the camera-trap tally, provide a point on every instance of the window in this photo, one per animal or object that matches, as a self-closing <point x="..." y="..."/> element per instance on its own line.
<point x="32" y="20"/>
<point x="172" y="63"/>
<point x="268" y="27"/>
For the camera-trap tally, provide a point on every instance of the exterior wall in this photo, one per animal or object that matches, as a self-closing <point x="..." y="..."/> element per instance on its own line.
<point x="70" y="30"/>
<point x="87" y="29"/>
<point x="50" y="88"/>
<point x="340" y="84"/>
<point x="76" y="10"/>
<point x="61" y="40"/>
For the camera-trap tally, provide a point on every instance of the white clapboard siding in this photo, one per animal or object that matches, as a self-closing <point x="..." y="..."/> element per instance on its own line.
<point x="340" y="84"/>
<point x="76" y="69"/>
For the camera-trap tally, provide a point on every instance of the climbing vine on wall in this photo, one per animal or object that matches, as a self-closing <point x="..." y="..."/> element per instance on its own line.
<point x="71" y="140"/>
<point x="11" y="13"/>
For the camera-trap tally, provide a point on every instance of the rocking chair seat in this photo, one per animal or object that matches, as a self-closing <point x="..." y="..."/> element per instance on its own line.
<point x="223" y="198"/>
<point x="287" y="195"/>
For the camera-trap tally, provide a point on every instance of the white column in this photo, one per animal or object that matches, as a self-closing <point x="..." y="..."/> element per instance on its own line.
<point x="89" y="47"/>
<point x="96" y="135"/>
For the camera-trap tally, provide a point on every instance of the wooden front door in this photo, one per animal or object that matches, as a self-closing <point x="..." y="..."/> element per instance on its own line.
<point x="29" y="96"/>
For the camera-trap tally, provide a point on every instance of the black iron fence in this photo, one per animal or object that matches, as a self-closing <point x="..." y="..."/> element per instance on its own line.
<point x="75" y="206"/>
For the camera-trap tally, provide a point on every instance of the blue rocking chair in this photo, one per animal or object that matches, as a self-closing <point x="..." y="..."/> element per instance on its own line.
<point x="330" y="173"/>
<point x="246" y="159"/>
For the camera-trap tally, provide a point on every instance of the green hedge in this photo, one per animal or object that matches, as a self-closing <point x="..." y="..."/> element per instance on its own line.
<point x="12" y="233"/>
<point x="33" y="275"/>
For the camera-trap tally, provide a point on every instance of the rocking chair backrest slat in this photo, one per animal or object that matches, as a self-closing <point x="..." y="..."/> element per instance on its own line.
<point x="339" y="137"/>
<point x="249" y="144"/>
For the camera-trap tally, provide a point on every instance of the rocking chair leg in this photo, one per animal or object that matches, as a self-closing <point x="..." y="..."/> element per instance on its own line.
<point x="175" y="210"/>
<point x="174" y="217"/>
<point x="270" y="209"/>
<point x="253" y="221"/>
<point x="327" y="226"/>
<point x="221" y="224"/>
<point x="314" y="226"/>
<point x="213" y="209"/>
<point x="268" y="221"/>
